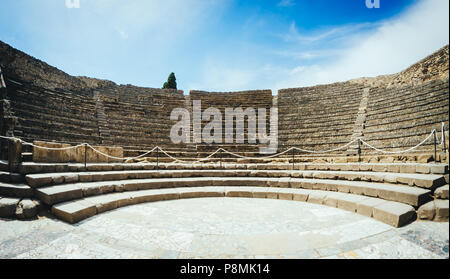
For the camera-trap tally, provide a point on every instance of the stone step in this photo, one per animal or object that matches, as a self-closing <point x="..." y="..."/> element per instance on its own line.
<point x="27" y="156"/>
<point x="8" y="207"/>
<point x="33" y="168"/>
<point x="9" y="177"/>
<point x="16" y="190"/>
<point x="19" y="208"/>
<point x="51" y="195"/>
<point x="436" y="210"/>
<point x="442" y="192"/>
<point x="4" y="165"/>
<point x="429" y="181"/>
<point x="392" y="213"/>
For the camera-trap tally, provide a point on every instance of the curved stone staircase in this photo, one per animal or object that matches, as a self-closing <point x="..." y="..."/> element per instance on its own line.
<point x="394" y="193"/>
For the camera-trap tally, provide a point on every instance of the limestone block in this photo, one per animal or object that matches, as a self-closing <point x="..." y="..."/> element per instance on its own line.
<point x="154" y="195"/>
<point x="300" y="195"/>
<point x="38" y="180"/>
<point x="74" y="211"/>
<point x="8" y="207"/>
<point x="394" y="213"/>
<point x="239" y="192"/>
<point x="27" y="209"/>
<point x="442" y="192"/>
<point x="442" y="210"/>
<point x="425" y="169"/>
<point x="380" y="168"/>
<point x="393" y="168"/>
<point x="52" y="156"/>
<point x="427" y="211"/>
<point x="332" y="199"/>
<point x="285" y="195"/>
<point x="317" y="197"/>
<point x="75" y="154"/>
<point x="106" y="202"/>
<point x="408" y="168"/>
<point x="98" y="188"/>
<point x="187" y="193"/>
<point x="56" y="194"/>
<point x="365" y="207"/>
<point x="349" y="202"/>
<point x="438" y="169"/>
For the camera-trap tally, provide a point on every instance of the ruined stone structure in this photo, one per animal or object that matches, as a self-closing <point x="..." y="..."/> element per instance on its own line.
<point x="393" y="113"/>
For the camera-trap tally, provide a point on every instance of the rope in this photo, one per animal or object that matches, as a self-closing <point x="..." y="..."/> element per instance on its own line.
<point x="192" y="162"/>
<point x="119" y="158"/>
<point x="226" y="151"/>
<point x="399" y="152"/>
<point x="328" y="151"/>
<point x="260" y="158"/>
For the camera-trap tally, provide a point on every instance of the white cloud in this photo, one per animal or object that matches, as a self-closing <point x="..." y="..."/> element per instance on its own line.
<point x="166" y="20"/>
<point x="390" y="47"/>
<point x="394" y="46"/>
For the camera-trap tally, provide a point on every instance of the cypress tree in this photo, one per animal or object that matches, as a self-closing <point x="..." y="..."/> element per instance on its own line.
<point x="171" y="82"/>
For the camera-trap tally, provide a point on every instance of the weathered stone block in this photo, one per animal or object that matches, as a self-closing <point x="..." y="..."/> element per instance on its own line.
<point x="394" y="213"/>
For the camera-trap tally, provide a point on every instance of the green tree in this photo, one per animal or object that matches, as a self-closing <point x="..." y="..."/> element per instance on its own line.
<point x="171" y="82"/>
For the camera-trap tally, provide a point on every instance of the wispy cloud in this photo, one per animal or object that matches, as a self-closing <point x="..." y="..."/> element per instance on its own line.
<point x="370" y="50"/>
<point x="286" y="3"/>
<point x="294" y="35"/>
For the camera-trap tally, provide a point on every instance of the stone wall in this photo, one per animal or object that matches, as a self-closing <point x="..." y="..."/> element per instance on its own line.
<point x="18" y="65"/>
<point x="319" y="117"/>
<point x="74" y="155"/>
<point x="221" y="100"/>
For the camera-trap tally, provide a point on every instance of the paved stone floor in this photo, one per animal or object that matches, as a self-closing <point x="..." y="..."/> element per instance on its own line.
<point x="223" y="228"/>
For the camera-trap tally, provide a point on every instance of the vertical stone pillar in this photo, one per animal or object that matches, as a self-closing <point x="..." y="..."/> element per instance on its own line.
<point x="14" y="155"/>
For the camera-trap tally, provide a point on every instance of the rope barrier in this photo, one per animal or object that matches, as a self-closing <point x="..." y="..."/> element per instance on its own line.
<point x="119" y="158"/>
<point x="228" y="152"/>
<point x="399" y="152"/>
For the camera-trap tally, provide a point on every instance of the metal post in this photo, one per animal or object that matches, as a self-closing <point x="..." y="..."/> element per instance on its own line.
<point x="157" y="158"/>
<point x="293" y="158"/>
<point x="444" y="147"/>
<point x="359" y="150"/>
<point x="435" y="146"/>
<point x="220" y="156"/>
<point x="85" y="156"/>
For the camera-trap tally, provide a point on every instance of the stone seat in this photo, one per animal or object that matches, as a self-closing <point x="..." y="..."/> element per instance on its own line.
<point x="18" y="207"/>
<point x="53" y="125"/>
<point x="392" y="213"/>
<point x="16" y="190"/>
<point x="423" y="124"/>
<point x="428" y="181"/>
<point x="418" y="107"/>
<point x="88" y="122"/>
<point x="36" y="168"/>
<point x="416" y="100"/>
<point x="287" y="125"/>
<point x="404" y="114"/>
<point x="63" y="136"/>
<point x="414" y="196"/>
<point x="407" y="96"/>
<point x="436" y="210"/>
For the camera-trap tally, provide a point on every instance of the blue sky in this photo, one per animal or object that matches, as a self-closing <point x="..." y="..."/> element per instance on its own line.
<point x="226" y="45"/>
